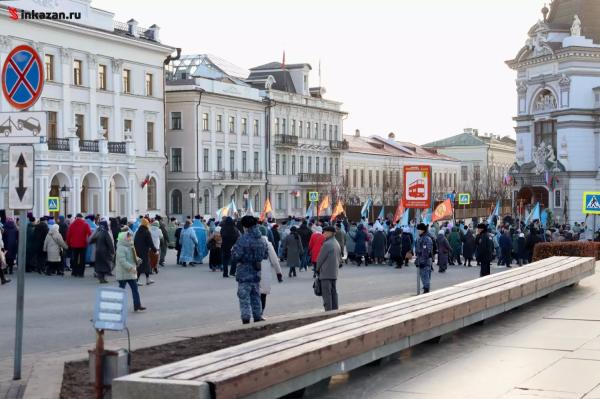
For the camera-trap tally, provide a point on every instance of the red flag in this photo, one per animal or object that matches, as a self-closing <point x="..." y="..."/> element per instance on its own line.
<point x="443" y="211"/>
<point x="399" y="212"/>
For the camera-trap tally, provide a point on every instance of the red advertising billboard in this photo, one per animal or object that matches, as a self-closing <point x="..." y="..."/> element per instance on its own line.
<point x="417" y="187"/>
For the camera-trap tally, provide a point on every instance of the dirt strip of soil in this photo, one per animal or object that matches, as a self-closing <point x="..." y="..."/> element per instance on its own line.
<point x="76" y="377"/>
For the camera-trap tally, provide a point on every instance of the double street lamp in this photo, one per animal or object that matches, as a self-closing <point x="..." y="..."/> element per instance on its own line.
<point x="192" y="198"/>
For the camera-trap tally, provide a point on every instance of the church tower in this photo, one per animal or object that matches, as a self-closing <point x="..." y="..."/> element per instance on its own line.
<point x="558" y="111"/>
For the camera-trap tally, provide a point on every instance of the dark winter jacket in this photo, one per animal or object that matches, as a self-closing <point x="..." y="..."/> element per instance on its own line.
<point x="10" y="237"/>
<point x="469" y="245"/>
<point x="249" y="250"/>
<point x="230" y="234"/>
<point x="304" y="233"/>
<point x="105" y="250"/>
<point x="485" y="247"/>
<point x="143" y="244"/>
<point x="396" y="245"/>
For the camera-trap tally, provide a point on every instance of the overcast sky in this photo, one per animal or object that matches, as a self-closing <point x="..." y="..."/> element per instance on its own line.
<point x="424" y="69"/>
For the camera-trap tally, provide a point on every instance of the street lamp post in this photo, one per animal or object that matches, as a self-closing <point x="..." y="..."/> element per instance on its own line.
<point x="192" y="198"/>
<point x="65" y="194"/>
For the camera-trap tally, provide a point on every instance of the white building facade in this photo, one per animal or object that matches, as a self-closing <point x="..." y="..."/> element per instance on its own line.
<point x="103" y="94"/>
<point x="558" y="109"/>
<point x="215" y="138"/>
<point x="305" y="142"/>
<point x="485" y="160"/>
<point x="373" y="168"/>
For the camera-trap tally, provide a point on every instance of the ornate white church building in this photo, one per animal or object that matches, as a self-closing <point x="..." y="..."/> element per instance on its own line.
<point x="558" y="120"/>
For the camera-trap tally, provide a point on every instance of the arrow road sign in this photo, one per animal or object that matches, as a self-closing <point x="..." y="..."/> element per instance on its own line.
<point x="20" y="180"/>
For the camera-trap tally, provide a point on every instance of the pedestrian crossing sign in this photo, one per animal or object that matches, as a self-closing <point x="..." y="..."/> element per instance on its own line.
<point x="464" y="199"/>
<point x="53" y="204"/>
<point x="591" y="203"/>
<point x="313" y="196"/>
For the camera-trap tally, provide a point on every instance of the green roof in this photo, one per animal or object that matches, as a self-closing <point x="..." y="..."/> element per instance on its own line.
<point x="460" y="140"/>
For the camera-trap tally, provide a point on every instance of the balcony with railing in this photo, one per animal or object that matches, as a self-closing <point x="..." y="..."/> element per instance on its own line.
<point x="284" y="140"/>
<point x="88" y="146"/>
<point x="56" y="144"/>
<point x="237" y="175"/>
<point x="117" y="147"/>
<point x="314" y="178"/>
<point x="336" y="145"/>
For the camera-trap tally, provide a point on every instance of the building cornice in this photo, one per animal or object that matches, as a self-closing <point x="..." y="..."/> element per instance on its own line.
<point x="577" y="53"/>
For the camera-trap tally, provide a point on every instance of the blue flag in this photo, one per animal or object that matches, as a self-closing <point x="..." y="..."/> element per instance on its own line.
<point x="544" y="218"/>
<point x="364" y="212"/>
<point x="382" y="213"/>
<point x="534" y="214"/>
<point x="495" y="212"/>
<point x="310" y="210"/>
<point x="404" y="218"/>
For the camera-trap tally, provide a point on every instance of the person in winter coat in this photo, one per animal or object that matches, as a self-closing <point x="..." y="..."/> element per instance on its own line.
<point x="444" y="250"/>
<point x="485" y="249"/>
<point x="276" y="237"/>
<point x="268" y="267"/>
<point x="164" y="241"/>
<point x="39" y="236"/>
<point x="126" y="266"/>
<point x="143" y="245"/>
<point x="305" y="233"/>
<point x="189" y="244"/>
<point x="456" y="244"/>
<point x="173" y="226"/>
<point x="215" y="254"/>
<point x="350" y="243"/>
<point x="54" y="245"/>
<point x="157" y="240"/>
<point x="424" y="256"/>
<point x="91" y="250"/>
<point x="314" y="246"/>
<point x="407" y="245"/>
<point x="396" y="248"/>
<point x="230" y="234"/>
<point x="379" y="246"/>
<point x="105" y="251"/>
<point x="469" y="247"/>
<point x="327" y="266"/>
<point x="293" y="250"/>
<point x="77" y="239"/>
<point x="505" y="243"/>
<point x="340" y="236"/>
<point x="360" y="245"/>
<point x="201" y="234"/>
<point x="522" y="257"/>
<point x="10" y="237"/>
<point x="247" y="255"/>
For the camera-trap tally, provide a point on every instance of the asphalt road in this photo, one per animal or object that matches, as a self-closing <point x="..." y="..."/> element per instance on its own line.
<point x="58" y="309"/>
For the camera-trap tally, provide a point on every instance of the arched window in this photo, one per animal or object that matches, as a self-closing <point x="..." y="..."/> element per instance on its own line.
<point x="176" y="202"/>
<point x="151" y="194"/>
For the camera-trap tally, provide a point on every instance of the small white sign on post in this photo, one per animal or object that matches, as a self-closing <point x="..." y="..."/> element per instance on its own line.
<point x="22" y="127"/>
<point x="20" y="179"/>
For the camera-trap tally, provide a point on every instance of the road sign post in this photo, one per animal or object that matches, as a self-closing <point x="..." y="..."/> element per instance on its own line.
<point x="22" y="85"/>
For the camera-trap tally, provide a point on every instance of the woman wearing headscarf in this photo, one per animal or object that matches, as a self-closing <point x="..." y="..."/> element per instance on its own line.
<point x="91" y="251"/>
<point x="105" y="251"/>
<point x="189" y="244"/>
<point x="268" y="267"/>
<point x="215" y="256"/>
<point x="293" y="250"/>
<point x="469" y="247"/>
<point x="54" y="245"/>
<point x="456" y="244"/>
<point x="157" y="237"/>
<point x="143" y="245"/>
<point x="125" y="266"/>
<point x="443" y="247"/>
<point x="379" y="245"/>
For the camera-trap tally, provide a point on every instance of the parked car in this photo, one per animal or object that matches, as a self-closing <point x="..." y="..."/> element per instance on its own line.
<point x="31" y="124"/>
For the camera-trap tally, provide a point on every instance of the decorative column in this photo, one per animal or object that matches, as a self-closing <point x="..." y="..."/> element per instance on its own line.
<point x="73" y="139"/>
<point x="67" y="117"/>
<point x="105" y="190"/>
<point x="102" y="142"/>
<point x="92" y="78"/>
<point x="117" y="66"/>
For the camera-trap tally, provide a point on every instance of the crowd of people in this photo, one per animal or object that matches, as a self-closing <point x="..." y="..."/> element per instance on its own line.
<point x="253" y="250"/>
